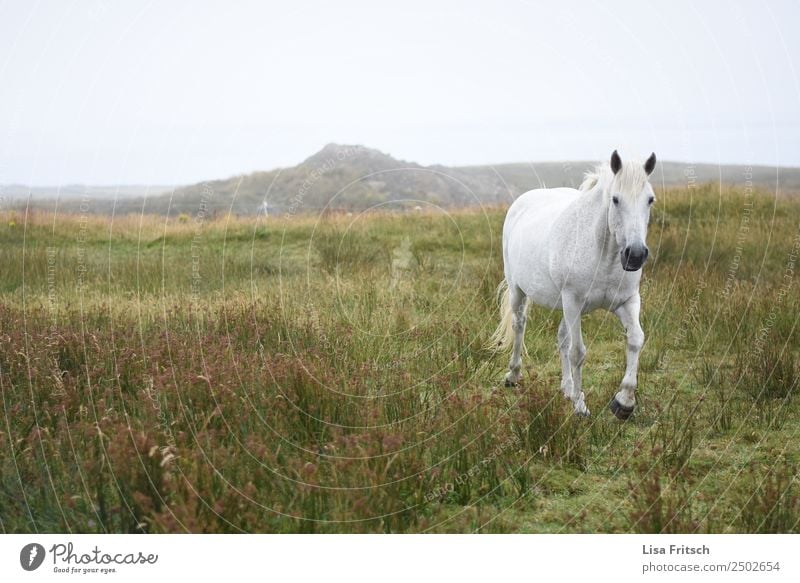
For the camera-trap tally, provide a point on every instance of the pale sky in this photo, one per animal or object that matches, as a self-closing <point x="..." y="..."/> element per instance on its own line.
<point x="176" y="92"/>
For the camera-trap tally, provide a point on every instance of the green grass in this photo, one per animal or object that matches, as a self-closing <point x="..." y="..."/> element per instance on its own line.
<point x="326" y="374"/>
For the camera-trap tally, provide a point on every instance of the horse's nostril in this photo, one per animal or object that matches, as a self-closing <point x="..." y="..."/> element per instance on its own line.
<point x="627" y="252"/>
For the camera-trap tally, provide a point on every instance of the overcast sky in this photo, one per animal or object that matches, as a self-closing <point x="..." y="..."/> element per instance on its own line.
<point x="177" y="92"/>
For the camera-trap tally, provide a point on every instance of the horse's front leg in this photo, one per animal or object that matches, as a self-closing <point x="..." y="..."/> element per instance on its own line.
<point x="624" y="401"/>
<point x="576" y="352"/>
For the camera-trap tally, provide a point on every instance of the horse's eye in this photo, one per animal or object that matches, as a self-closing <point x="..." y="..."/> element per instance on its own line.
<point x="651" y="200"/>
<point x="615" y="199"/>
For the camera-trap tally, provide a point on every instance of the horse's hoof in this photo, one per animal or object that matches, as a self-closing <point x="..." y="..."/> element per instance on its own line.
<point x="619" y="410"/>
<point x="581" y="410"/>
<point x="511" y="384"/>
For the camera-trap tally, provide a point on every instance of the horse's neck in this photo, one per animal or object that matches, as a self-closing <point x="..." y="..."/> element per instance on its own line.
<point x="607" y="244"/>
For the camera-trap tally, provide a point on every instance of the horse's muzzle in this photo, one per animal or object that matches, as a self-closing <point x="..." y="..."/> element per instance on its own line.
<point x="633" y="257"/>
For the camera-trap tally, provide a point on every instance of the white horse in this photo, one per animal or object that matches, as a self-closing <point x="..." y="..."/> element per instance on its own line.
<point x="577" y="251"/>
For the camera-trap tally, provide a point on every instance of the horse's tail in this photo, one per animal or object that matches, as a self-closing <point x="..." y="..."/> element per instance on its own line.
<point x="503" y="337"/>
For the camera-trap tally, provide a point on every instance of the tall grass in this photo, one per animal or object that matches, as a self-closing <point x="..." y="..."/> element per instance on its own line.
<point x="326" y="374"/>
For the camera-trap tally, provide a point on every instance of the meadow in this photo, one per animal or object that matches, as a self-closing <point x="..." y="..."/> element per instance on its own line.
<point x="327" y="373"/>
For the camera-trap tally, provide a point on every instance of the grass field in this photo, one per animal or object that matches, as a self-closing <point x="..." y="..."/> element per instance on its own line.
<point x="326" y="374"/>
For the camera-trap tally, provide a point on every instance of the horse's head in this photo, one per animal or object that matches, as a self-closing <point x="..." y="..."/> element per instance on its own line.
<point x="630" y="197"/>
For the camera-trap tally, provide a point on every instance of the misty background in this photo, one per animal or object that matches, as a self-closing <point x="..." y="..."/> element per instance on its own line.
<point x="180" y="92"/>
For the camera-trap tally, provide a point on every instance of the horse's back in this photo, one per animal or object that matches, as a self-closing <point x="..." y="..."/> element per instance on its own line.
<point x="537" y="209"/>
<point x="539" y="197"/>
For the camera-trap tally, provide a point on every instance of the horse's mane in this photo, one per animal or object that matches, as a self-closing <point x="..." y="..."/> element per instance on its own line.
<point x="630" y="179"/>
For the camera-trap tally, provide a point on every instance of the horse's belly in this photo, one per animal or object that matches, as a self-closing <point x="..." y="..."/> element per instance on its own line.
<point x="542" y="293"/>
<point x="529" y="271"/>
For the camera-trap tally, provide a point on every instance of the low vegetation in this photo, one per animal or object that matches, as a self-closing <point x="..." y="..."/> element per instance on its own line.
<point x="326" y="373"/>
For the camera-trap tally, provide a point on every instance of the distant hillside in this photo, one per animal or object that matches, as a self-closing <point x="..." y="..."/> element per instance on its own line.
<point x="20" y="193"/>
<point x="356" y="177"/>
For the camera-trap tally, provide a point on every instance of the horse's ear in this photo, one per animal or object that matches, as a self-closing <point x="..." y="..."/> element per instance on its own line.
<point x="650" y="164"/>
<point x="616" y="162"/>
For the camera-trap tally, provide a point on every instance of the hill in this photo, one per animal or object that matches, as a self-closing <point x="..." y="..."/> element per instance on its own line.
<point x="353" y="177"/>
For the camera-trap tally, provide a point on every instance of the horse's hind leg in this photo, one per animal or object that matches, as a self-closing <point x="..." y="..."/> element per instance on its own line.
<point x="563" y="349"/>
<point x="576" y="351"/>
<point x="518" y="303"/>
